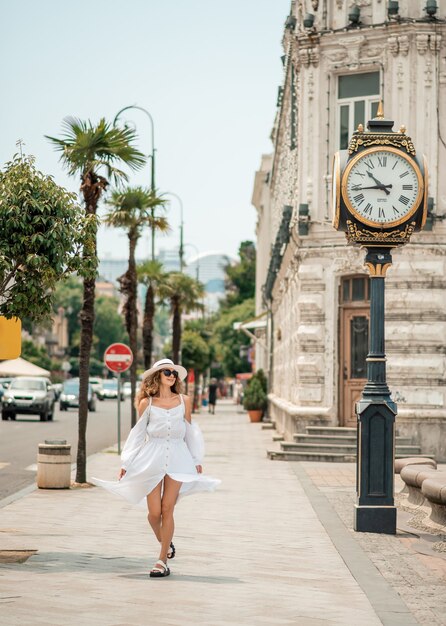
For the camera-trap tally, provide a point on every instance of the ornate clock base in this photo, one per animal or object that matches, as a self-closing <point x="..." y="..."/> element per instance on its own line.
<point x="375" y="519"/>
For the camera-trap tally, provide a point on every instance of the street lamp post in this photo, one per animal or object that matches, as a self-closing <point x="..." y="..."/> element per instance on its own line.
<point x="181" y="250"/>
<point x="152" y="161"/>
<point x="197" y="269"/>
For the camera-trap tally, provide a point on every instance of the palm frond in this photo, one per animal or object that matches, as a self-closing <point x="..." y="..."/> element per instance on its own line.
<point x="132" y="208"/>
<point x="88" y="147"/>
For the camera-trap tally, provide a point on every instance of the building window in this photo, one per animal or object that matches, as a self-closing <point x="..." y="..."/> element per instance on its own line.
<point x="355" y="289"/>
<point x="358" y="100"/>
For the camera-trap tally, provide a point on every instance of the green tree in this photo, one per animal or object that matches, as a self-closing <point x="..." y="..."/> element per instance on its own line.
<point x="241" y="277"/>
<point x="195" y="354"/>
<point x="229" y="343"/>
<point x="68" y="294"/>
<point x="36" y="354"/>
<point x="87" y="151"/>
<point x="43" y="232"/>
<point x="131" y="210"/>
<point x="108" y="326"/>
<point x="152" y="275"/>
<point x="185" y="295"/>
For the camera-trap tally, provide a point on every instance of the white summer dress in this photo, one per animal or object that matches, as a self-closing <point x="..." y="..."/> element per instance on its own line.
<point x="162" y="442"/>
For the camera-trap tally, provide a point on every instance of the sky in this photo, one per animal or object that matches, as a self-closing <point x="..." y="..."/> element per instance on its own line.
<point x="206" y="70"/>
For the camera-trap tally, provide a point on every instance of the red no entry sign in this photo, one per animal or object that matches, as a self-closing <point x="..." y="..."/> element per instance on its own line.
<point x="118" y="357"/>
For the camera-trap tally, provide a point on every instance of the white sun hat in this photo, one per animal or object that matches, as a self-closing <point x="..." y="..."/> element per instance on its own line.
<point x="166" y="364"/>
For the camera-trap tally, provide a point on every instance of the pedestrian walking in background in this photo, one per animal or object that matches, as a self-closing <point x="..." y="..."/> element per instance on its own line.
<point x="162" y="457"/>
<point x="238" y="392"/>
<point x="212" y="395"/>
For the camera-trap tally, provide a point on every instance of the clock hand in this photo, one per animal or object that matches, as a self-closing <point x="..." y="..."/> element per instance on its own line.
<point x="379" y="183"/>
<point x="383" y="187"/>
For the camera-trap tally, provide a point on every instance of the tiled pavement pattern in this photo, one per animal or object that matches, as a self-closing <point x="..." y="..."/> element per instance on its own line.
<point x="253" y="553"/>
<point x="420" y="579"/>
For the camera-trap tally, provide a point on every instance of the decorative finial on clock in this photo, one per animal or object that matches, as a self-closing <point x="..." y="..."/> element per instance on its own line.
<point x="402" y="129"/>
<point x="360" y="128"/>
<point x="380" y="111"/>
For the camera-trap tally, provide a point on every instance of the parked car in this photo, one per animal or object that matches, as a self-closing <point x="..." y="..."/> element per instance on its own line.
<point x="110" y="389"/>
<point x="96" y="383"/>
<point x="29" y="395"/>
<point x="127" y="389"/>
<point x="70" y="396"/>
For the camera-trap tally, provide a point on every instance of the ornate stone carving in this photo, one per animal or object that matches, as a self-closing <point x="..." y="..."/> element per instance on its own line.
<point x="392" y="45"/>
<point x="337" y="56"/>
<point x="398" y="45"/>
<point x="315" y="4"/>
<point x="428" y="73"/>
<point x="353" y="47"/>
<point x="371" y="52"/>
<point x="309" y="56"/>
<point x="400" y="76"/>
<point x="435" y="43"/>
<point x="403" y="45"/>
<point x="422" y="43"/>
<point x="310" y="84"/>
<point x="314" y="56"/>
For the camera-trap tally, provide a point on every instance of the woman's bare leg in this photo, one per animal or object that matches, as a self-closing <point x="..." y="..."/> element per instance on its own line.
<point x="154" y="506"/>
<point x="170" y="495"/>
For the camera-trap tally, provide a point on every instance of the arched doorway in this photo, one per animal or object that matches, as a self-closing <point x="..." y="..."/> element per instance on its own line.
<point x="353" y="342"/>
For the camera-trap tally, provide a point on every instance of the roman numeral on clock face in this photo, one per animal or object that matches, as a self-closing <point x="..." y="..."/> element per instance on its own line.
<point x="404" y="200"/>
<point x="404" y="174"/>
<point x="395" y="210"/>
<point x="367" y="209"/>
<point x="382" y="161"/>
<point x="359" y="199"/>
<point x="369" y="164"/>
<point x="408" y="187"/>
<point x="381" y="212"/>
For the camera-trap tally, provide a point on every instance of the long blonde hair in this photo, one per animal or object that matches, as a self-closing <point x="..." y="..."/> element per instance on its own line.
<point x="150" y="387"/>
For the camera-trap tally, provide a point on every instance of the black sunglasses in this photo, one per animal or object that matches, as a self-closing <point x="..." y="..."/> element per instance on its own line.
<point x="170" y="373"/>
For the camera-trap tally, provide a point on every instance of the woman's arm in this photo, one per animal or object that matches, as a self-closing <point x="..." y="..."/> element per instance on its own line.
<point x="134" y="440"/>
<point x="192" y="436"/>
<point x="188" y="408"/>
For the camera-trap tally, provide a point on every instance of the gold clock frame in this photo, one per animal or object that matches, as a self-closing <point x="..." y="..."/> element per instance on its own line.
<point x="336" y="186"/>
<point x="362" y="155"/>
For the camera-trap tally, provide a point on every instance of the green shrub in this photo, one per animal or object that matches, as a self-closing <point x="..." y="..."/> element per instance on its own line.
<point x="254" y="398"/>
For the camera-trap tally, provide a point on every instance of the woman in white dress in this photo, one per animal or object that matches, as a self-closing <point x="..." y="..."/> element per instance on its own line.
<point x="161" y="459"/>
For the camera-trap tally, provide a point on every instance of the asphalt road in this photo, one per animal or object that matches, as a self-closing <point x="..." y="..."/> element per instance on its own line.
<point x="19" y="440"/>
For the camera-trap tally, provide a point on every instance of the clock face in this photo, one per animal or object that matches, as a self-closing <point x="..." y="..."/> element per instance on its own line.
<point x="382" y="187"/>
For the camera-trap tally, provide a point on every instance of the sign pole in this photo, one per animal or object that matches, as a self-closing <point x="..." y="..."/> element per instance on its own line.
<point x="118" y="358"/>
<point x="119" y="412"/>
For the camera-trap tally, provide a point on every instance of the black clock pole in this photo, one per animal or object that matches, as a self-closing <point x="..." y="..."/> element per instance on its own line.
<point x="375" y="510"/>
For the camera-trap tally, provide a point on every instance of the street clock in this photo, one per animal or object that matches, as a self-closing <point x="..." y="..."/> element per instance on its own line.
<point x="379" y="186"/>
<point x="379" y="200"/>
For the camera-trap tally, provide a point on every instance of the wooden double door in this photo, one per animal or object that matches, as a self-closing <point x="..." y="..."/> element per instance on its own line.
<point x="354" y="345"/>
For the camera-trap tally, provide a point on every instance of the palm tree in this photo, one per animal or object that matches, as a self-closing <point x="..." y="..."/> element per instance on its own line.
<point x="87" y="150"/>
<point x="131" y="210"/>
<point x="185" y="295"/>
<point x="152" y="275"/>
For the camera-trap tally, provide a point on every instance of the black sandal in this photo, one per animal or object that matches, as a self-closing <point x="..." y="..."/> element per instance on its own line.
<point x="171" y="552"/>
<point x="160" y="570"/>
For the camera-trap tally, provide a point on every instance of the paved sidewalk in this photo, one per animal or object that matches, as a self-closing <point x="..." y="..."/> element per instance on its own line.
<point x="254" y="552"/>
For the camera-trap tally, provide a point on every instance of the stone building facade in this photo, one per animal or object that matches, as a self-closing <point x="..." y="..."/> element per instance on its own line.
<point x="340" y="59"/>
